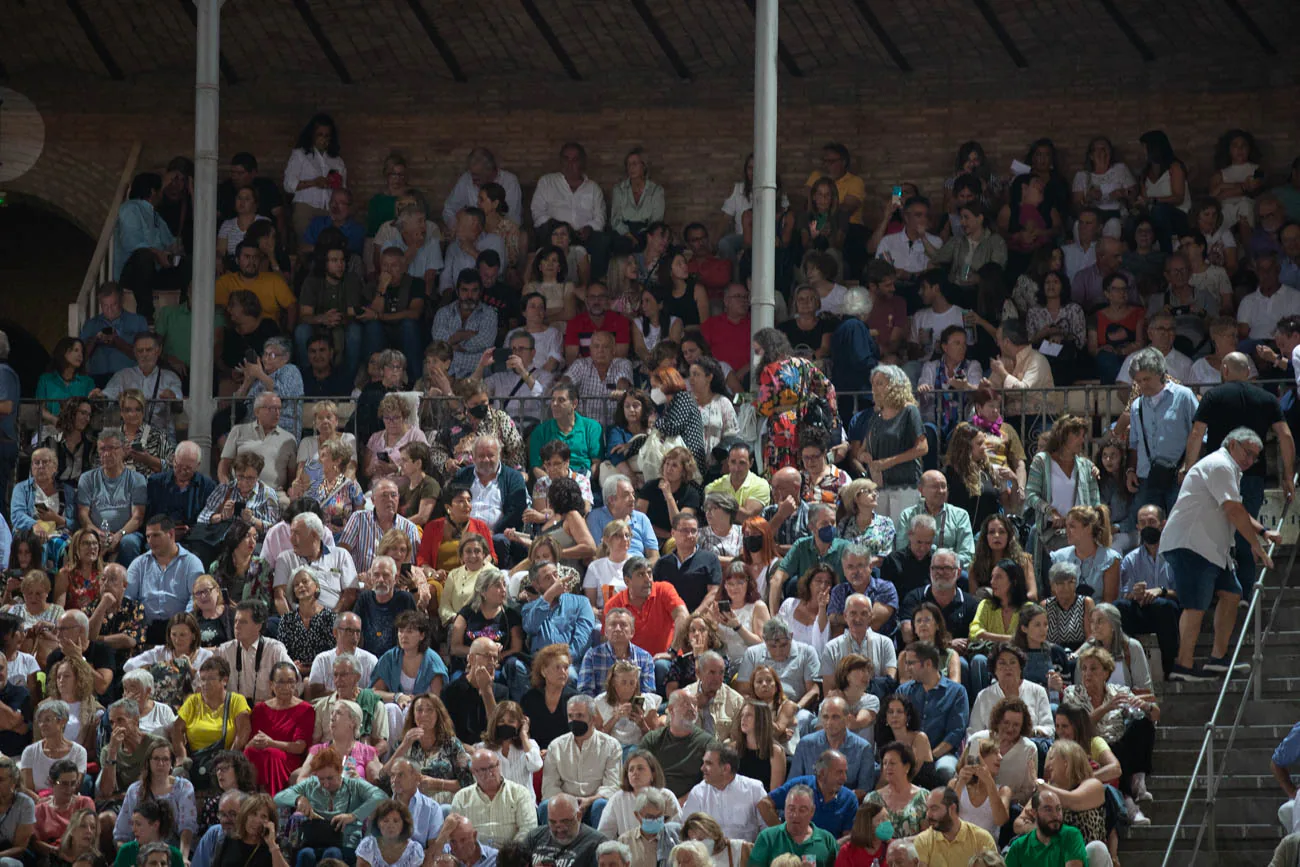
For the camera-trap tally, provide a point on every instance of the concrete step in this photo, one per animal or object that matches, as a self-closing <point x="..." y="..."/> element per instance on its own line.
<point x="1172" y="787"/>
<point x="1231" y="836"/>
<point x="1235" y="854"/>
<point x="1193" y="708"/>
<point x="1234" y="811"/>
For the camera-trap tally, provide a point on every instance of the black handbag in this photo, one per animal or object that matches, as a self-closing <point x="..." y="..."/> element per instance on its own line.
<point x="1160" y="474"/>
<point x="203" y="762"/>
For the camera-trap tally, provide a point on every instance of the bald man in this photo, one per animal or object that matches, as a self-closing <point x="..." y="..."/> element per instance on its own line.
<point x="788" y="513"/>
<point x="472" y="697"/>
<point x="952" y="525"/>
<point x="1237" y="403"/>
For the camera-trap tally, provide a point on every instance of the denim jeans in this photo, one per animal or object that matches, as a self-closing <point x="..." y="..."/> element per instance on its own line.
<point x="1252" y="497"/>
<point x="1147" y="493"/>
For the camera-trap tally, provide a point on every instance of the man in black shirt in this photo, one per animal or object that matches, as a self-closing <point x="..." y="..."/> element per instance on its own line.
<point x="691" y="570"/>
<point x="564" y="841"/>
<point x="1237" y="403"/>
<point x="15" y="707"/>
<point x="243" y="173"/>
<point x="472" y="699"/>
<point x="73" y="631"/>
<point x="909" y="568"/>
<point x="499" y="295"/>
<point x="320" y="378"/>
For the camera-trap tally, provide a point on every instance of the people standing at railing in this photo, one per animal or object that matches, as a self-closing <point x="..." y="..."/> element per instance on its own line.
<point x="147" y="257"/>
<point x="1160" y="421"/>
<point x="109" y="334"/>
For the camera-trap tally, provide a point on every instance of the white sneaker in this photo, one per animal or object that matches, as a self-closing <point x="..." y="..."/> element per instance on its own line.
<point x="1140" y="793"/>
<point x="1135" y="814"/>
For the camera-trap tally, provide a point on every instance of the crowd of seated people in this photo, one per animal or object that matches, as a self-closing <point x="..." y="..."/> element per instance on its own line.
<point x="561" y="565"/>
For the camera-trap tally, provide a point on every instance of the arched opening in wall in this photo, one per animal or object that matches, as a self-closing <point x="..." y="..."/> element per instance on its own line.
<point x="43" y="259"/>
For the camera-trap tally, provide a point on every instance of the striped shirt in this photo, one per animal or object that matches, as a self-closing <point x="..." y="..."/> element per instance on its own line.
<point x="362" y="533"/>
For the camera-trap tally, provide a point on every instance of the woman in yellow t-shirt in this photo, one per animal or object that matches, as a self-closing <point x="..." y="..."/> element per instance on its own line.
<point x="202" y="714"/>
<point x="1073" y="723"/>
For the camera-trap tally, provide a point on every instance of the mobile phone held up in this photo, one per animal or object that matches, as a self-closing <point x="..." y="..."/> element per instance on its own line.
<point x="898" y="192"/>
<point x="724" y="605"/>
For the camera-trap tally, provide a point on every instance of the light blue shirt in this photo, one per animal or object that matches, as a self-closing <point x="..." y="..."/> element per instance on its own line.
<point x="487" y="856"/>
<point x="857" y="750"/>
<point x="568" y="621"/>
<point x="426" y="819"/>
<point x="1092" y="571"/>
<point x="1167" y="419"/>
<point x="465" y="357"/>
<point x="207" y="846"/>
<point x="138" y="228"/>
<point x="456" y="259"/>
<point x="643" y="533"/>
<point x="428" y="259"/>
<point x="1138" y="565"/>
<point x="163" y="592"/>
<point x="105" y="360"/>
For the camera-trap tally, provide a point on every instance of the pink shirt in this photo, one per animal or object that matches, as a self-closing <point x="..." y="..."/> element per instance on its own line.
<point x="355" y="762"/>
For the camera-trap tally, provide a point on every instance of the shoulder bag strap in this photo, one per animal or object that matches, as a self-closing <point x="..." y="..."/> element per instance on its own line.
<point x="1142" y="426"/>
<point x="225" y="717"/>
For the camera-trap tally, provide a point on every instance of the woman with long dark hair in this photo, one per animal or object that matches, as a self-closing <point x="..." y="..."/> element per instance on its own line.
<point x="1166" y="195"/>
<point x="684" y="296"/>
<point x="238" y="568"/>
<point x="65" y="378"/>
<point x="314" y="171"/>
<point x="72" y="440"/>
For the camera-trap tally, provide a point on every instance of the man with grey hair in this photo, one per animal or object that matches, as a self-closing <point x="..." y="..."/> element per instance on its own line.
<point x="612" y="853"/>
<point x="159" y="385"/>
<point x="821" y="545"/>
<point x="787" y="514"/>
<point x="680" y="745"/>
<point x="332" y="568"/>
<point x="275" y="374"/>
<point x="584" y="764"/>
<point x="650" y="840"/>
<point x="798" y="835"/>
<point x="459" y="839"/>
<point x="111" y="500"/>
<point x="620" y="504"/>
<point x="124" y="756"/>
<point x="365" y="527"/>
<point x="557" y="616"/>
<point x="347" y="642"/>
<point x="719" y="704"/>
<point x="1198" y="544"/>
<point x="227" y="812"/>
<point x="349" y="686"/>
<point x="498" y="494"/>
<point x="860" y="578"/>
<point x="858" y="638"/>
<point x="1161" y="331"/>
<point x="1233" y="403"/>
<point x="264" y="435"/>
<point x="73" y="634"/>
<point x="180" y="492"/>
<point x="472" y="700"/>
<point x="726" y="795"/>
<point x="1021" y="368"/>
<point x="952" y="524"/>
<point x="421" y="249"/>
<point x="834" y="735"/>
<point x="835" y="804"/>
<point x="501" y="810"/>
<point x="620" y="627"/>
<point x="1160" y="421"/>
<point x="482" y="169"/>
<point x="908" y="567"/>
<point x="795" y="663"/>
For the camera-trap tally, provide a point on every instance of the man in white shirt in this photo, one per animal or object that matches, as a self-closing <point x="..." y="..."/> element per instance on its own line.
<point x="252" y="657"/>
<point x="333" y="568"/>
<point x="470" y="240"/>
<point x="1198" y="544"/>
<point x="930" y="321"/>
<point x="1161" y="331"/>
<point x="347" y="635"/>
<point x="1260" y="311"/>
<point x="584" y="763"/>
<point x="726" y="796"/>
<point x="1082" y="253"/>
<point x="483" y="170"/>
<point x="501" y="809"/>
<point x="158" y="384"/>
<point x="906" y="249"/>
<point x="276" y="446"/>
<point x="569" y="196"/>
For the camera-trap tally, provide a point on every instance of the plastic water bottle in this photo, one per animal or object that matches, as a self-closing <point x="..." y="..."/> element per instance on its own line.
<point x="103" y="525"/>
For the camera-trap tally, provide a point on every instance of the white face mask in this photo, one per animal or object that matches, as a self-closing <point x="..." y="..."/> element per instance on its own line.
<point x="658" y="396"/>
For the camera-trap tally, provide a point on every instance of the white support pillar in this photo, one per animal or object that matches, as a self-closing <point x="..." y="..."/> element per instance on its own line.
<point x="762" y="295"/>
<point x="207" y="95"/>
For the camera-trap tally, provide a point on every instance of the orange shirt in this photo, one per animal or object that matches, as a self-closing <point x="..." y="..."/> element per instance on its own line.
<point x="654" y="619"/>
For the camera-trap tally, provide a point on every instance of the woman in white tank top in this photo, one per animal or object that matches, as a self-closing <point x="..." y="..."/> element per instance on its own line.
<point x="1166" y="194"/>
<point x="983" y="803"/>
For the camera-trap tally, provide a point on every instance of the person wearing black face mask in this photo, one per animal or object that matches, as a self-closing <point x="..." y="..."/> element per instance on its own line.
<point x="451" y="450"/>
<point x="584" y="764"/>
<point x="1147" y="601"/>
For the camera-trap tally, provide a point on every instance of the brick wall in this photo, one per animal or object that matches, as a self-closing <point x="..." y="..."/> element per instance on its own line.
<point x="696" y="134"/>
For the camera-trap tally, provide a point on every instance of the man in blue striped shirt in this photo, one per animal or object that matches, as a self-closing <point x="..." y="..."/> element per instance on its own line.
<point x="1147" y="600"/>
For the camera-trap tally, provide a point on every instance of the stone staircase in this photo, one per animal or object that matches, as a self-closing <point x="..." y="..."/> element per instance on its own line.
<point x="1248" y="796"/>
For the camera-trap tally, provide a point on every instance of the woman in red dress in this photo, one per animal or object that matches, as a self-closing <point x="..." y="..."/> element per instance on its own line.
<point x="282" y="728"/>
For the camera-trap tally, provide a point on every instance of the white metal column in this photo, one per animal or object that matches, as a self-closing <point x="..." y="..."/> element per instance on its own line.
<point x="762" y="296"/>
<point x="207" y="98"/>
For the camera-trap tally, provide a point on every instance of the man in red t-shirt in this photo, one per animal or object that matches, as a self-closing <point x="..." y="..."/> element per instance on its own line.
<point x="656" y="608"/>
<point x="714" y="272"/>
<point x="888" y="317"/>
<point x="728" y="332"/>
<point x="597" y="317"/>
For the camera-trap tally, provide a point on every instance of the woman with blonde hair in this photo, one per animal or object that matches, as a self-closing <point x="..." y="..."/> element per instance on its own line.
<point x="677" y="489"/>
<point x="79" y="841"/>
<point x="622" y="710"/>
<point x="895" y="442"/>
<point x="507" y="736"/>
<point x="325" y="420"/>
<point x="1087" y="530"/>
<point x="705" y="829"/>
<point x="1068" y="775"/>
<point x="148" y="449"/>
<point x="338" y="494"/>
<point x="546" y="702"/>
<point x="862" y="524"/>
<point x="604" y="576"/>
<point x="73" y="681"/>
<point x="39" y="616"/>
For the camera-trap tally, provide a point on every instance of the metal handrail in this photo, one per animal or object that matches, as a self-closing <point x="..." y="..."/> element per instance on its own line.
<point x="1252" y="691"/>
<point x="100" y="269"/>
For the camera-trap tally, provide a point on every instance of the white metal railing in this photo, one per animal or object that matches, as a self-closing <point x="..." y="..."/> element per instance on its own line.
<point x="100" y="269"/>
<point x="1251" y="691"/>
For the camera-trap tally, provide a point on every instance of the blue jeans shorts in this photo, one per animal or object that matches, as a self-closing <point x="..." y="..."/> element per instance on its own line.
<point x="1196" y="579"/>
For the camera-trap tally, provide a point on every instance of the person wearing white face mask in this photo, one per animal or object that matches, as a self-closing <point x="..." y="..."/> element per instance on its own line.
<point x="651" y="841"/>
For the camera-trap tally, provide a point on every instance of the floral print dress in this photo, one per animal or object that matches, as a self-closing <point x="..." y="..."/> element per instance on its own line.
<point x="907" y="821"/>
<point x="83" y="591"/>
<point x="448" y="761"/>
<point x="879" y="535"/>
<point x="337" y="502"/>
<point x="305" y="641"/>
<point x="784" y="391"/>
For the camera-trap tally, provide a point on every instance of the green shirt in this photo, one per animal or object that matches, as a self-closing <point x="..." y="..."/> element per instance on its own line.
<point x="773" y="842"/>
<point x="380" y="210"/>
<point x="803" y="555"/>
<point x="355" y="796"/>
<point x="173" y="325"/>
<point x="1027" y="851"/>
<point x="681" y="758"/>
<point x="584" y="442"/>
<point x="129" y="764"/>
